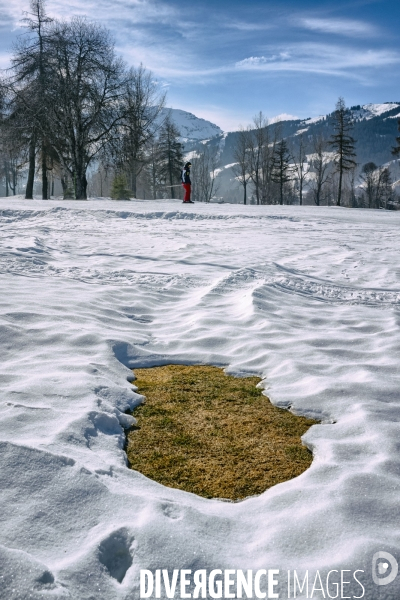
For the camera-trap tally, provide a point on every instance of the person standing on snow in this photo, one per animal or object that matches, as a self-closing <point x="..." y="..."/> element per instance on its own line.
<point x="186" y="182"/>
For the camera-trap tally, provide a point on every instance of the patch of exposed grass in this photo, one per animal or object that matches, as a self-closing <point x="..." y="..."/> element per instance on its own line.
<point x="212" y="434"/>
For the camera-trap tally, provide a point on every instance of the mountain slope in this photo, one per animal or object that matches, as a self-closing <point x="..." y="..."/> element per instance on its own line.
<point x="192" y="128"/>
<point x="375" y="131"/>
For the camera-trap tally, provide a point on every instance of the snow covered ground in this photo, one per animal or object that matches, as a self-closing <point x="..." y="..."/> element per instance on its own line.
<point x="306" y="297"/>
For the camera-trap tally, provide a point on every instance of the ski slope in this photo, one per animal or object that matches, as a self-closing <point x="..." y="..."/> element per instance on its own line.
<point x="306" y="297"/>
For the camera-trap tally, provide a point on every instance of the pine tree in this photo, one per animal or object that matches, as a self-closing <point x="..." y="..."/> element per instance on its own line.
<point x="30" y="66"/>
<point x="342" y="143"/>
<point x="119" y="188"/>
<point x="396" y="149"/>
<point x="281" y="168"/>
<point x="171" y="155"/>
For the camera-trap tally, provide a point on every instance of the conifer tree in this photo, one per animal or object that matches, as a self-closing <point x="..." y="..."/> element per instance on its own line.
<point x="396" y="149"/>
<point x="281" y="168"/>
<point x="171" y="155"/>
<point x="342" y="143"/>
<point x="30" y="65"/>
<point x="119" y="188"/>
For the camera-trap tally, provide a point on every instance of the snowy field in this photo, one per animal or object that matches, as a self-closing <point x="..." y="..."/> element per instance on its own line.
<point x="306" y="297"/>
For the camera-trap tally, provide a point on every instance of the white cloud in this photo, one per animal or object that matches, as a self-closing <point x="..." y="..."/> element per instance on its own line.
<point x="321" y="58"/>
<point x="129" y="11"/>
<point x="152" y="32"/>
<point x="347" y="27"/>
<point x="247" y="26"/>
<point x="257" y="61"/>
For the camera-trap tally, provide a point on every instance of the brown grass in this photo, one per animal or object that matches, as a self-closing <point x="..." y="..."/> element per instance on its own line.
<point x="212" y="434"/>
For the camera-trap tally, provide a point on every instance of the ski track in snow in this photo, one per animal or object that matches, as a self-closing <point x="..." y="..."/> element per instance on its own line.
<point x="308" y="298"/>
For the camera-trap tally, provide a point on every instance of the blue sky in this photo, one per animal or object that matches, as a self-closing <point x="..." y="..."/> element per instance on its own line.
<point x="226" y="61"/>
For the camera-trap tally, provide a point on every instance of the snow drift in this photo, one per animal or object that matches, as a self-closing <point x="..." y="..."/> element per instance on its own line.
<point x="307" y="298"/>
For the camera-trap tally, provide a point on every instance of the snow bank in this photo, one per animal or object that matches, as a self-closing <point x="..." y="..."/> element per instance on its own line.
<point x="306" y="297"/>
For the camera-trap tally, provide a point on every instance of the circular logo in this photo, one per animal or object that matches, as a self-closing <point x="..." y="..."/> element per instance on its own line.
<point x="384" y="568"/>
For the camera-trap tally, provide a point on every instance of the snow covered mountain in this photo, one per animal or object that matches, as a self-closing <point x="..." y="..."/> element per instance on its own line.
<point x="192" y="128"/>
<point x="364" y="112"/>
<point x="369" y="111"/>
<point x="375" y="131"/>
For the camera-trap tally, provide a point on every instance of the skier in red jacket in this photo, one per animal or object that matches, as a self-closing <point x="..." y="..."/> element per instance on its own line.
<point x="186" y="182"/>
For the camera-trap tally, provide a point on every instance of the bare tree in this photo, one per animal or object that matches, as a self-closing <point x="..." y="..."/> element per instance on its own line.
<point x="267" y="164"/>
<point x="151" y="170"/>
<point x="377" y="184"/>
<point x="204" y="173"/>
<point x="10" y="163"/>
<point x="242" y="156"/>
<point x="258" y="140"/>
<point x="72" y="101"/>
<point x="301" y="167"/>
<point x="352" y="178"/>
<point x="12" y="145"/>
<point x="386" y="188"/>
<point x="143" y="103"/>
<point x="88" y="85"/>
<point x="370" y="179"/>
<point x="320" y="169"/>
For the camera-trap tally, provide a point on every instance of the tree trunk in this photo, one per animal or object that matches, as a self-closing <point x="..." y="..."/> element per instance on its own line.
<point x="318" y="195"/>
<point x="171" y="179"/>
<point x="6" y="170"/>
<point x="80" y="181"/>
<point x="32" y="166"/>
<point x="80" y="186"/>
<point x="134" y="179"/>
<point x="14" y="174"/>
<point x="340" y="188"/>
<point x="257" y="182"/>
<point x="154" y="181"/>
<point x="45" y="183"/>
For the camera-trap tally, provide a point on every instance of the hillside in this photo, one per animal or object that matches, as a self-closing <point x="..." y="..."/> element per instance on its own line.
<point x="192" y="128"/>
<point x="375" y="130"/>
